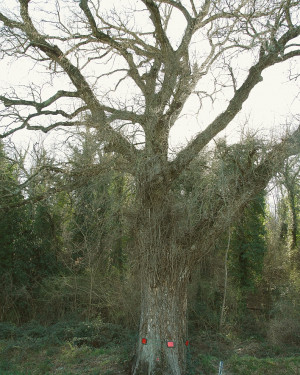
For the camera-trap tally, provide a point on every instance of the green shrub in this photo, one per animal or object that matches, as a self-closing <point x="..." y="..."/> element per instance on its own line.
<point x="7" y="330"/>
<point x="284" y="327"/>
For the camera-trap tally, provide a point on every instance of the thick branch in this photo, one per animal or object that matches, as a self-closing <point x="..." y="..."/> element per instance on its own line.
<point x="11" y="23"/>
<point x="39" y="106"/>
<point x="123" y="114"/>
<point x="26" y="124"/>
<point x="179" y="6"/>
<point x="54" y="125"/>
<point x="234" y="106"/>
<point x="159" y="30"/>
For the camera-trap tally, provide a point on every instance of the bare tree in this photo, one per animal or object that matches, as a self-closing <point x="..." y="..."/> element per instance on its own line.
<point x="131" y="70"/>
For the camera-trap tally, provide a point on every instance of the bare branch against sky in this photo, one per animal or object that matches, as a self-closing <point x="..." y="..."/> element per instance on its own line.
<point x="138" y="62"/>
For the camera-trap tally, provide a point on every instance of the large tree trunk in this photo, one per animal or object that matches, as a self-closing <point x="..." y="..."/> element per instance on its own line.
<point x="164" y="278"/>
<point x="163" y="321"/>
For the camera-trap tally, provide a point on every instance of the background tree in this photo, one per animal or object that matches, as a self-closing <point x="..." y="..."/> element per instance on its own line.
<point x="30" y="239"/>
<point x="248" y="245"/>
<point x="281" y="268"/>
<point x="159" y="71"/>
<point x="290" y="180"/>
<point x="98" y="233"/>
<point x="12" y="268"/>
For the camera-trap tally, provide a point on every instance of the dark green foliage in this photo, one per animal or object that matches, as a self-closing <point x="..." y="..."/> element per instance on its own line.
<point x="29" y="257"/>
<point x="59" y="255"/>
<point x="11" y="221"/>
<point x="204" y="309"/>
<point x="248" y="246"/>
<point x="29" y="243"/>
<point x="15" y="252"/>
<point x="8" y="330"/>
<point x="67" y="256"/>
<point x="97" y="224"/>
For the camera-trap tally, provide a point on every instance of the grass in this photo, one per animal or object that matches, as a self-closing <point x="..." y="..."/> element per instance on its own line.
<point x="70" y="348"/>
<point x="248" y="365"/>
<point x="62" y="360"/>
<point x="65" y="348"/>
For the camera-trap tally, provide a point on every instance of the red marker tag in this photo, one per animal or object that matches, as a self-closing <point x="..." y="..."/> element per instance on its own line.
<point x="187" y="343"/>
<point x="170" y="344"/>
<point x="144" y="341"/>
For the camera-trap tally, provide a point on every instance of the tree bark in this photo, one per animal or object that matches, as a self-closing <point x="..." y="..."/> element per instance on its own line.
<point x="294" y="224"/>
<point x="163" y="320"/>
<point x="164" y="278"/>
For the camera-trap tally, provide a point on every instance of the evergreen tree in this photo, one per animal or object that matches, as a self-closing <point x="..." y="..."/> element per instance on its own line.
<point x="248" y="245"/>
<point x="29" y="242"/>
<point x="97" y="218"/>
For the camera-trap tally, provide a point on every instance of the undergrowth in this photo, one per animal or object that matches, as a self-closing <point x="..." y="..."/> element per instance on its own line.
<point x="97" y="348"/>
